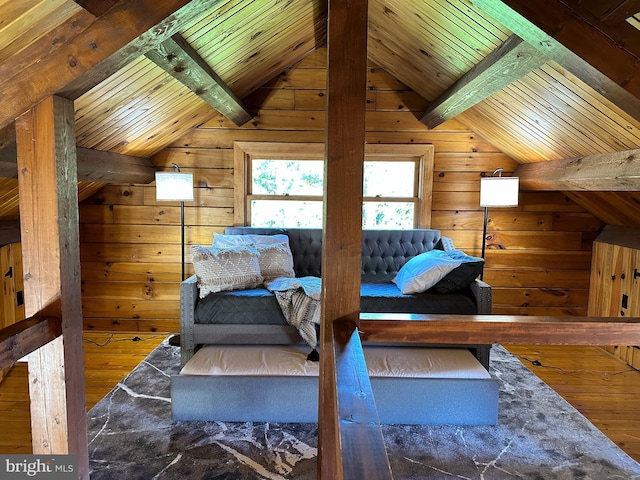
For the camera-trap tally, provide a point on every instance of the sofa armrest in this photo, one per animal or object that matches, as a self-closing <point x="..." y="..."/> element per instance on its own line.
<point x="188" y="296"/>
<point x="482" y="294"/>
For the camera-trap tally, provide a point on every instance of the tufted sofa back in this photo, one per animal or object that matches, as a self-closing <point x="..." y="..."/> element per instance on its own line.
<point x="384" y="252"/>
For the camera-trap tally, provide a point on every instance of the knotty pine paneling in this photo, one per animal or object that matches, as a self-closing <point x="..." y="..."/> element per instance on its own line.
<point x="538" y="256"/>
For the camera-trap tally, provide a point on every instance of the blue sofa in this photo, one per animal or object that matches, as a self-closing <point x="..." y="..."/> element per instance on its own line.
<point x="253" y="316"/>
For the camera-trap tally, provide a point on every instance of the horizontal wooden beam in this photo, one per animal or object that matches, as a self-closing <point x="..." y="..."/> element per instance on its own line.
<point x="589" y="51"/>
<point x="93" y="166"/>
<point x="363" y="451"/>
<point x="180" y="60"/>
<point x="110" y="167"/>
<point x="488" y="329"/>
<point x="8" y="136"/>
<point x="618" y="171"/>
<point x="26" y="336"/>
<point x="506" y="64"/>
<point x="9" y="232"/>
<point x="96" y="7"/>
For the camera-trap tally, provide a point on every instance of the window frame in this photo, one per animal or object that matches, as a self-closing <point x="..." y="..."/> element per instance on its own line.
<point x="244" y="152"/>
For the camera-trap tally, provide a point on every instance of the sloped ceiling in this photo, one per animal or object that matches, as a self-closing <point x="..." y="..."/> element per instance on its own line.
<point x="428" y="45"/>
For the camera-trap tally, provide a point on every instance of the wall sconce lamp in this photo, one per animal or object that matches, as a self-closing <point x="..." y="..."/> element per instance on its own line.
<point x="175" y="186"/>
<point x="496" y="191"/>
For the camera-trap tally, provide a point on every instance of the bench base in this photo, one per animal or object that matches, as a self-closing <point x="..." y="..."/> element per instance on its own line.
<point x="275" y="383"/>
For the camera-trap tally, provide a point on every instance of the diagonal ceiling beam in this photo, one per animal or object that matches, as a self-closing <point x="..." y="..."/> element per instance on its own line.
<point x="122" y="34"/>
<point x="619" y="171"/>
<point x="586" y="49"/>
<point x="180" y="60"/>
<point x="506" y="64"/>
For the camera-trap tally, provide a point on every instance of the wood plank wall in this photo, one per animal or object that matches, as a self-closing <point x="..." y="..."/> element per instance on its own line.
<point x="539" y="253"/>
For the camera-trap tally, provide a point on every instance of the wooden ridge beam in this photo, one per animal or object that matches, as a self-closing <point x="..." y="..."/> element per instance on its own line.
<point x="586" y="49"/>
<point x="509" y="62"/>
<point x="618" y="171"/>
<point x="111" y="41"/>
<point x="181" y="61"/>
<point x="27" y="336"/>
<point x="363" y="451"/>
<point x="487" y="329"/>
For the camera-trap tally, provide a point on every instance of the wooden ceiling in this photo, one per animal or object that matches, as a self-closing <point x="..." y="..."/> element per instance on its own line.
<point x="562" y="108"/>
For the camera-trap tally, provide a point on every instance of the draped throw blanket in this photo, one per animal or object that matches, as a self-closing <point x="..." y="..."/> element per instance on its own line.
<point x="299" y="299"/>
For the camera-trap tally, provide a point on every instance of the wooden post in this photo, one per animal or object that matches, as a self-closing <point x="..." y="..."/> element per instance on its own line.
<point x="342" y="235"/>
<point x="47" y="179"/>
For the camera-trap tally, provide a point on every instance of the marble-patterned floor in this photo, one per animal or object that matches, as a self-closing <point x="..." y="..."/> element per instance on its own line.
<point x="539" y="436"/>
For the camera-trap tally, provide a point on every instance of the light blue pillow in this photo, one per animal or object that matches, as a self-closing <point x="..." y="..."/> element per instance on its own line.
<point x="425" y="270"/>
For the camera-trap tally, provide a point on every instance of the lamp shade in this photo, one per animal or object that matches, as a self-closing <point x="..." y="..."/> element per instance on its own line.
<point x="174" y="186"/>
<point x="499" y="191"/>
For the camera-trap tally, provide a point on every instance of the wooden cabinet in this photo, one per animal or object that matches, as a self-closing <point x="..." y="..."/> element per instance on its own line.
<point x="615" y="282"/>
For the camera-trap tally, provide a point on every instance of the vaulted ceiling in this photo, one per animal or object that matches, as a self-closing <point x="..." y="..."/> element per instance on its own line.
<point x="543" y="81"/>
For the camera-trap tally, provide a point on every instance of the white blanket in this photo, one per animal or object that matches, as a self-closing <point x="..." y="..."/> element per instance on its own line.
<point x="299" y="299"/>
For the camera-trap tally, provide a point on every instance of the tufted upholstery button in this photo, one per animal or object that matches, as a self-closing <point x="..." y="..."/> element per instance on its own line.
<point x="384" y="252"/>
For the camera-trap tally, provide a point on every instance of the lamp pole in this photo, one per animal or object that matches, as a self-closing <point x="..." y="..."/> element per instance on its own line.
<point x="484" y="238"/>
<point x="496" y="192"/>
<point x="182" y="235"/>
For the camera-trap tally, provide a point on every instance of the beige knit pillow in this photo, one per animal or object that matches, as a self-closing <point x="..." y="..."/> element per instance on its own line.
<point x="227" y="268"/>
<point x="275" y="260"/>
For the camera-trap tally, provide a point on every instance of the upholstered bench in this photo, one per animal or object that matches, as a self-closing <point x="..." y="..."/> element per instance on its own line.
<point x="276" y="383"/>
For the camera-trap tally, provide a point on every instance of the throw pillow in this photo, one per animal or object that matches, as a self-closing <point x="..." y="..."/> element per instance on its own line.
<point x="460" y="277"/>
<point x="226" y="268"/>
<point x="275" y="260"/>
<point x="425" y="270"/>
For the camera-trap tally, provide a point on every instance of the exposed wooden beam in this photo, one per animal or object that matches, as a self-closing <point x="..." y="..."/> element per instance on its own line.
<point x="113" y="40"/>
<point x="180" y="60"/>
<point x="585" y="49"/>
<point x="48" y="189"/>
<point x="363" y="451"/>
<point x="488" y="329"/>
<point x="618" y="171"/>
<point x="109" y="167"/>
<point x="93" y="166"/>
<point x="96" y="7"/>
<point x="8" y="166"/>
<point x="9" y="232"/>
<point x="611" y="12"/>
<point x="26" y="336"/>
<point x="8" y="136"/>
<point x="8" y="153"/>
<point x="506" y="64"/>
<point x="342" y="221"/>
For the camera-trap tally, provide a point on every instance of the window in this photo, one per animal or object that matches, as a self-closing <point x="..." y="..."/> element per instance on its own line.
<point x="282" y="185"/>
